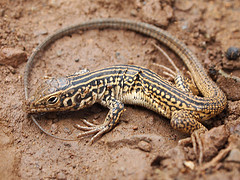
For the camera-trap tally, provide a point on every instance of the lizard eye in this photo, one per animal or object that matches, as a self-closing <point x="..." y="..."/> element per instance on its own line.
<point x="52" y="100"/>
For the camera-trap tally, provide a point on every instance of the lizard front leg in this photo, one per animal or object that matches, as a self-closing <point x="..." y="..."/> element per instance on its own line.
<point x="116" y="108"/>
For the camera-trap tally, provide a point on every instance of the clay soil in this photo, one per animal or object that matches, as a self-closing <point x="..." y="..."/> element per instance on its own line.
<point x="143" y="145"/>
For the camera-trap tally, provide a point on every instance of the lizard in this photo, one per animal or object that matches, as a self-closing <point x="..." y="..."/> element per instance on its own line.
<point x="115" y="86"/>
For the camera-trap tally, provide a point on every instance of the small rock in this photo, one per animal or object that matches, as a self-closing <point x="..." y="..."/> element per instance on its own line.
<point x="169" y="11"/>
<point x="153" y="13"/>
<point x="232" y="93"/>
<point x="12" y="56"/>
<point x="189" y="164"/>
<point x="130" y="61"/>
<point x="144" y="146"/>
<point x="234" y="156"/>
<point x="81" y="71"/>
<point x="59" y="53"/>
<point x="184" y="25"/>
<point x="151" y="120"/>
<point x="67" y="144"/>
<point x="184" y="5"/>
<point x="61" y="176"/>
<point x="203" y="44"/>
<point x="234" y="126"/>
<point x="232" y="53"/>
<point x="55" y="3"/>
<point x="214" y="140"/>
<point x="135" y="128"/>
<point x="54" y="128"/>
<point x="40" y="32"/>
<point x="133" y="12"/>
<point x="196" y="35"/>
<point x="38" y="166"/>
<point x="4" y="139"/>
<point x="234" y="107"/>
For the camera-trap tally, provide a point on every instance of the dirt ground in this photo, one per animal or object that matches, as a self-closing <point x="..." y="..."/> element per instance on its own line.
<point x="143" y="145"/>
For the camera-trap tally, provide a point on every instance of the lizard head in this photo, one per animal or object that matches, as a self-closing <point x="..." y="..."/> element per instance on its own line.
<point x="58" y="94"/>
<point x="47" y="96"/>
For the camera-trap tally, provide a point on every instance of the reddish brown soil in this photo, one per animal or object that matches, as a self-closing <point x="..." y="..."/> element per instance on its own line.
<point x="143" y="145"/>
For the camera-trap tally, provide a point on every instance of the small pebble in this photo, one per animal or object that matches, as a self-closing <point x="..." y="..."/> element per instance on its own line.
<point x="232" y="53"/>
<point x="40" y="32"/>
<point x="185" y="26"/>
<point x="189" y="164"/>
<point x="67" y="144"/>
<point x="4" y="140"/>
<point x="12" y="56"/>
<point x="184" y="5"/>
<point x="135" y="128"/>
<point x="81" y="71"/>
<point x="144" y="146"/>
<point x="130" y="61"/>
<point x="61" y="176"/>
<point x="196" y="35"/>
<point x="76" y="60"/>
<point x="234" y="156"/>
<point x="59" y="53"/>
<point x="54" y="129"/>
<point x="203" y="44"/>
<point x="133" y="12"/>
<point x="151" y="120"/>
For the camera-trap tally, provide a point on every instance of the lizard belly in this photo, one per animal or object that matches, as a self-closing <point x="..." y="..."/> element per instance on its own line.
<point x="147" y="101"/>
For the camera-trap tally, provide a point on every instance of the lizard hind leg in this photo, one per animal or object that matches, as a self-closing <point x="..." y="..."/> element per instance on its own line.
<point x="169" y="72"/>
<point x="184" y="121"/>
<point x="182" y="82"/>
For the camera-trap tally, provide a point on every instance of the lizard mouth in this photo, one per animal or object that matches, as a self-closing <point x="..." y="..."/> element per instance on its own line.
<point x="30" y="108"/>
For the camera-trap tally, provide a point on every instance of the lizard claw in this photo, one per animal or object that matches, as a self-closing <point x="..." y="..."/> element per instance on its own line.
<point x="195" y="140"/>
<point x="90" y="126"/>
<point x="96" y="130"/>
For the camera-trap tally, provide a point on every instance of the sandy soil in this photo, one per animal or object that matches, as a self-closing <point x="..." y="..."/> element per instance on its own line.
<point x="143" y="145"/>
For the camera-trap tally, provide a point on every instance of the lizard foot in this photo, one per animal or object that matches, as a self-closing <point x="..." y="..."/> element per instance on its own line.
<point x="196" y="142"/>
<point x="96" y="130"/>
